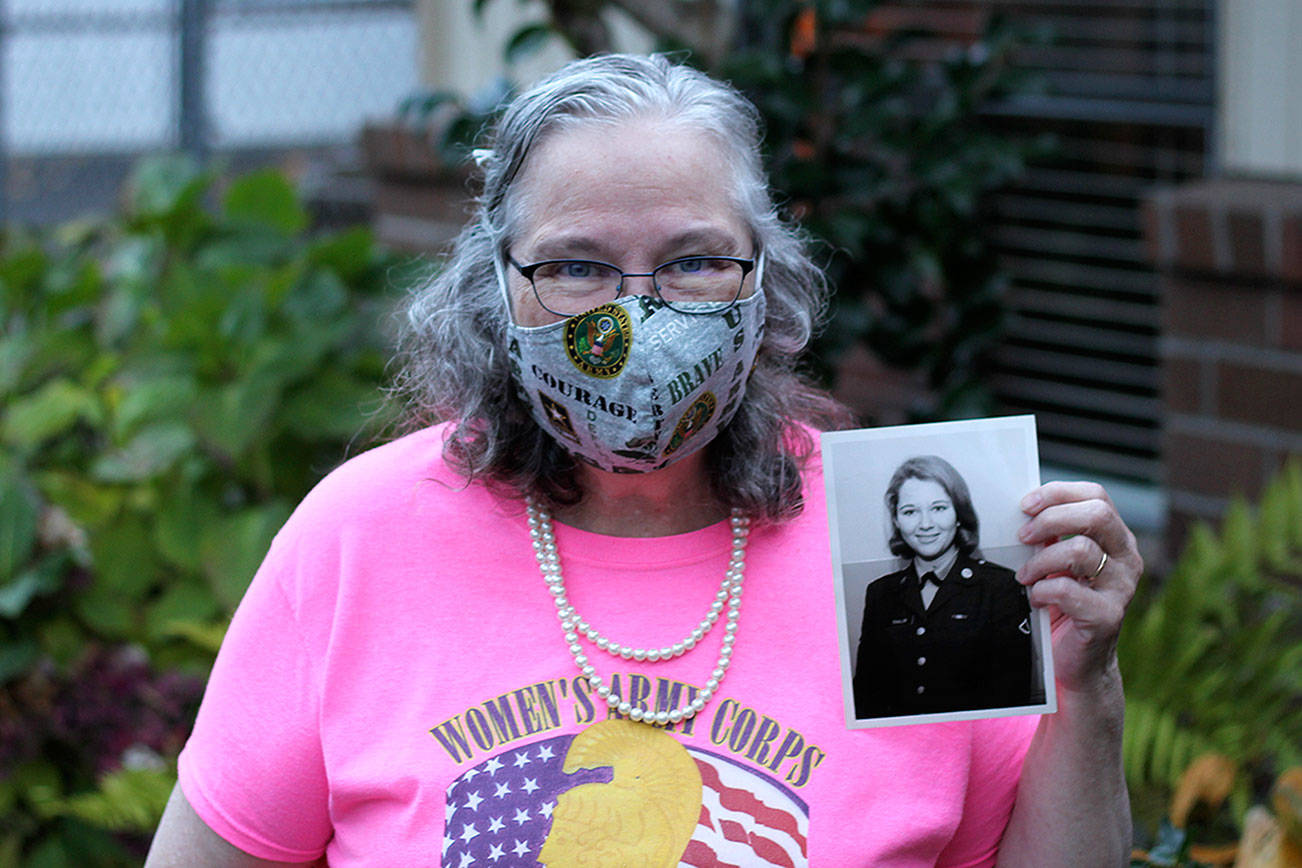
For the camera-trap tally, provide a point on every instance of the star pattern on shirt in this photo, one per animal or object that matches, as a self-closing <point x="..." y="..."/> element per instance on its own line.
<point x="501" y="815"/>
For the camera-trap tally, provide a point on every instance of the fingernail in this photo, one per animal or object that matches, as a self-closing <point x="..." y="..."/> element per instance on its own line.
<point x="1024" y="532"/>
<point x="1031" y="502"/>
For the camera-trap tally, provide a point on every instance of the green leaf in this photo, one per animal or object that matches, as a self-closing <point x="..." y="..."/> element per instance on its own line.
<point x="182" y="602"/>
<point x="205" y="637"/>
<point x="15" y="351"/>
<point x="165" y="185"/>
<point x="250" y="245"/>
<point x="348" y="253"/>
<point x="21" y="269"/>
<point x="16" y="658"/>
<point x="157" y="398"/>
<point x="62" y="640"/>
<point x="231" y="417"/>
<point x="151" y="452"/>
<point x="178" y="526"/>
<point x="19" y="516"/>
<point x="44" y="578"/>
<point x="124" y="563"/>
<point x="266" y="198"/>
<point x="233" y="547"/>
<point x="88" y="504"/>
<point x="108" y="613"/>
<point x="527" y="41"/>
<point x="48" y="412"/>
<point x="332" y="406"/>
<point x="119" y="315"/>
<point x="72" y="282"/>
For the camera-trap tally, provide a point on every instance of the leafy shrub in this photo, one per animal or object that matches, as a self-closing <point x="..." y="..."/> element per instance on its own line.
<point x="173" y="380"/>
<point x="1212" y="658"/>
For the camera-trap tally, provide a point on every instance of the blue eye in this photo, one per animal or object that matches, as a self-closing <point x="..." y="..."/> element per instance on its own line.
<point x="577" y="269"/>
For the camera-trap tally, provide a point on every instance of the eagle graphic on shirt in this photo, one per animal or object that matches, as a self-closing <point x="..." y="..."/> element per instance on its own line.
<point x="620" y="793"/>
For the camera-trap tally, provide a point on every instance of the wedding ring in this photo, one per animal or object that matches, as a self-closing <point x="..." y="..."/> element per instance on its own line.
<point x="1102" y="563"/>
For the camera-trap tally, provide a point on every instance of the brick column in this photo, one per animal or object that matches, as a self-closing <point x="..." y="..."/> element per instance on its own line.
<point x="1230" y="257"/>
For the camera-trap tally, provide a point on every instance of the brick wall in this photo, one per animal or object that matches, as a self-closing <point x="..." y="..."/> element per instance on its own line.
<point x="1230" y="256"/>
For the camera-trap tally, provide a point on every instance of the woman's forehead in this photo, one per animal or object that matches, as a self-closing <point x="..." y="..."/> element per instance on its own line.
<point x="613" y="183"/>
<point x="915" y="488"/>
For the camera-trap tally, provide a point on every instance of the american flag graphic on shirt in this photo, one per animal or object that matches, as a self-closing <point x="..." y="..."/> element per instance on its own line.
<point x="500" y="811"/>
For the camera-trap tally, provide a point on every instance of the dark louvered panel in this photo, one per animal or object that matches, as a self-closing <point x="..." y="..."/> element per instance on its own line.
<point x="1128" y="98"/>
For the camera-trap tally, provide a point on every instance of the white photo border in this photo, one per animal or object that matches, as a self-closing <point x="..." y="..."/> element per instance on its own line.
<point x="856" y="467"/>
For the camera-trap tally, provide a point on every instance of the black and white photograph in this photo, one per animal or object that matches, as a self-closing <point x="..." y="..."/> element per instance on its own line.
<point x="933" y="624"/>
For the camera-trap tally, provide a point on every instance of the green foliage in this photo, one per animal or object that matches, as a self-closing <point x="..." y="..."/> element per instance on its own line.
<point x="172" y="381"/>
<point x="127" y="800"/>
<point x="1212" y="658"/>
<point x="887" y="159"/>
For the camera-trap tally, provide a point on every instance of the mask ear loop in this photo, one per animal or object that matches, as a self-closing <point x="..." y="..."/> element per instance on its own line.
<point x="759" y="272"/>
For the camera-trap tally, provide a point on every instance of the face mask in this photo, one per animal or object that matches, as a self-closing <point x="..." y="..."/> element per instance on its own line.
<point x="633" y="385"/>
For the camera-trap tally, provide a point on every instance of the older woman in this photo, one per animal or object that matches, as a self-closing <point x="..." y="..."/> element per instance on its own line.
<point x="950" y="631"/>
<point x="518" y="637"/>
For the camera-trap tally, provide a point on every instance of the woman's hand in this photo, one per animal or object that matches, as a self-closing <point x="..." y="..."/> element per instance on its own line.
<point x="1081" y="531"/>
<point x="1072" y="806"/>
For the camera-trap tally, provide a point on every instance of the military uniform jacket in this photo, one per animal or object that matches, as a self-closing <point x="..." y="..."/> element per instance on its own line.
<point x="970" y="649"/>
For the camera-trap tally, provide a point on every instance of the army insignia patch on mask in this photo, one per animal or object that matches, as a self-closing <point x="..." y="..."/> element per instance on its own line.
<point x="697" y="415"/>
<point x="559" y="417"/>
<point x="598" y="341"/>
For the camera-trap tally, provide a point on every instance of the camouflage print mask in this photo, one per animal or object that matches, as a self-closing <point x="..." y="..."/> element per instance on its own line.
<point x="633" y="385"/>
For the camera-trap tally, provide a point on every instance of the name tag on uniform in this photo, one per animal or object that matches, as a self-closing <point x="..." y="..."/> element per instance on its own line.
<point x="959" y="617"/>
<point x="897" y="621"/>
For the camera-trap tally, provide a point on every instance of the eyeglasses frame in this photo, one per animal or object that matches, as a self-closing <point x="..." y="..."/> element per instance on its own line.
<point x="527" y="271"/>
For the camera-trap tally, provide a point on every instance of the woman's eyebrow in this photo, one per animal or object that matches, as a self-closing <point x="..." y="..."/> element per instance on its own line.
<point x="569" y="247"/>
<point x="697" y="240"/>
<point x="703" y="240"/>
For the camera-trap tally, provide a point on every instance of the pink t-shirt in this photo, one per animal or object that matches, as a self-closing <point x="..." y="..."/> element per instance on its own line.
<point x="395" y="689"/>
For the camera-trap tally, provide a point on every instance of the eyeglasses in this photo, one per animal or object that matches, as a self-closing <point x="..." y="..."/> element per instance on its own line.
<point x="690" y="284"/>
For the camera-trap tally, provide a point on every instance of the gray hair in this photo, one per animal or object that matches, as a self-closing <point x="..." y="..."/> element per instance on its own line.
<point x="453" y="349"/>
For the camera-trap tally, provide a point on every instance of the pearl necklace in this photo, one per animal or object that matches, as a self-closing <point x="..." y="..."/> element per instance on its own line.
<point x="544" y="546"/>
